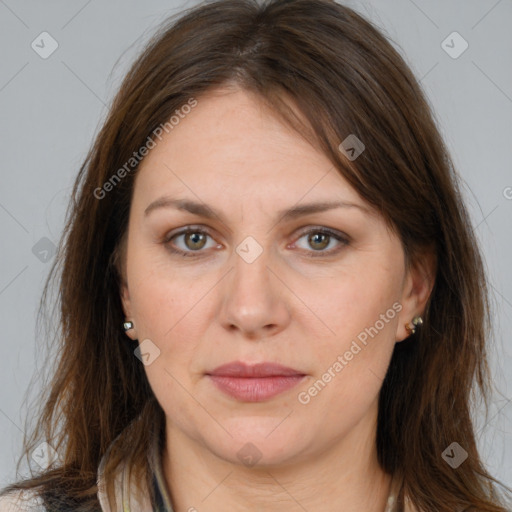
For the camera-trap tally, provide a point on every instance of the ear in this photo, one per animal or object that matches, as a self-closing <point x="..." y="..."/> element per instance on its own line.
<point x="118" y="261"/>
<point x="417" y="287"/>
<point x="127" y="308"/>
<point x="125" y="300"/>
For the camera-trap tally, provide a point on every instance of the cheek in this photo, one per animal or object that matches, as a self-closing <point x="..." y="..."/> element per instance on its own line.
<point x="168" y="312"/>
<point x="165" y="314"/>
<point x="351" y="363"/>
<point x="164" y="301"/>
<point x="350" y="370"/>
<point x="354" y="301"/>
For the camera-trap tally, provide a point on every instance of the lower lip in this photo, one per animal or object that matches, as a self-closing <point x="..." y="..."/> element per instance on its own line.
<point x="250" y="389"/>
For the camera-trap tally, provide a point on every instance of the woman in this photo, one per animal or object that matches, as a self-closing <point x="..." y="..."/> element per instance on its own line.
<point x="271" y="296"/>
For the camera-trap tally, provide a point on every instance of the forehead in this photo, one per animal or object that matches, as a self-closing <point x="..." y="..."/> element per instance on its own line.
<point x="231" y="143"/>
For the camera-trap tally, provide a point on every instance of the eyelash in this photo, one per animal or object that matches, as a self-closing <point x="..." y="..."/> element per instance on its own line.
<point x="343" y="239"/>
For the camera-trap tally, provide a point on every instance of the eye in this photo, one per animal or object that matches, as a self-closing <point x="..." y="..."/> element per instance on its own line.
<point x="319" y="239"/>
<point x="192" y="239"/>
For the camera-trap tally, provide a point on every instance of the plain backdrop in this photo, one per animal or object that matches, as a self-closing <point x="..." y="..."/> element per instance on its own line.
<point x="51" y="108"/>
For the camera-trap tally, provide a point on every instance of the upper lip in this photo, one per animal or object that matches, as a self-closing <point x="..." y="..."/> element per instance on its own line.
<point x="265" y="369"/>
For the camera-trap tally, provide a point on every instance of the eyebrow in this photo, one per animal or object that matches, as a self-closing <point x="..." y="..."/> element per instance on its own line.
<point x="206" y="211"/>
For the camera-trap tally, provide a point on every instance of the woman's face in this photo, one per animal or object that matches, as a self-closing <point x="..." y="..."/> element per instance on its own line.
<point x="263" y="276"/>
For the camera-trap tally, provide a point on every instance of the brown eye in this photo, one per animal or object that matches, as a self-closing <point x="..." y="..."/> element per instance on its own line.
<point x="322" y="242"/>
<point x="194" y="240"/>
<point x="319" y="241"/>
<point x="191" y="241"/>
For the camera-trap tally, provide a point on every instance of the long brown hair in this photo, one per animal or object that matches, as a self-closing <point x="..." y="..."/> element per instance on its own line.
<point x="342" y="74"/>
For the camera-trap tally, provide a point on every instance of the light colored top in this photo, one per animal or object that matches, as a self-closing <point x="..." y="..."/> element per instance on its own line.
<point x="22" y="501"/>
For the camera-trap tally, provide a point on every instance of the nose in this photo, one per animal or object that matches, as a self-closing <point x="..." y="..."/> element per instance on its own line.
<point x="254" y="299"/>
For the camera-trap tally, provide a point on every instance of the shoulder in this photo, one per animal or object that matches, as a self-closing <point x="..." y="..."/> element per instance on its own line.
<point x="21" y="501"/>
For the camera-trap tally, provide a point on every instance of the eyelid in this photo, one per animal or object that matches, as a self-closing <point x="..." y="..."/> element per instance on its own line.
<point x="191" y="228"/>
<point x="324" y="229"/>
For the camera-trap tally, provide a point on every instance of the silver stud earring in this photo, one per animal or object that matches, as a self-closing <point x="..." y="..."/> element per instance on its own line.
<point x="127" y="326"/>
<point x="416" y="322"/>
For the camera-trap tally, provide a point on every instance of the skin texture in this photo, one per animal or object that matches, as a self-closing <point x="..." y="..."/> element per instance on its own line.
<point x="212" y="308"/>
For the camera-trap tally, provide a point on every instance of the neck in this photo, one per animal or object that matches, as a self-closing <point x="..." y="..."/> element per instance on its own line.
<point x="345" y="476"/>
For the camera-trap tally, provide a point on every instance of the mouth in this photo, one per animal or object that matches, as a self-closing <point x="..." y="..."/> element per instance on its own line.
<point x="254" y="383"/>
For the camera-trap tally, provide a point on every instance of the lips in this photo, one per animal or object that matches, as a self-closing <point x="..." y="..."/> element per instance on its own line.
<point x="254" y="383"/>
<point x="239" y="369"/>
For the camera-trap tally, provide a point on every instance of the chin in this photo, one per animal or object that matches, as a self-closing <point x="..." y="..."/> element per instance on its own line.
<point x="256" y="442"/>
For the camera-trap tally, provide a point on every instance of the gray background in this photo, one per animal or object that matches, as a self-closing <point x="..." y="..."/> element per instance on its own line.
<point x="51" y="109"/>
